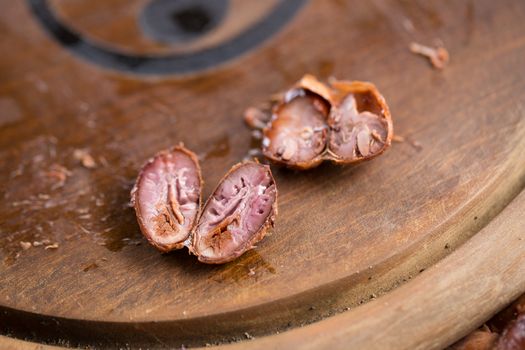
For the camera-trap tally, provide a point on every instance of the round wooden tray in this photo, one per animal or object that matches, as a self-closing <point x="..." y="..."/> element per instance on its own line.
<point x="408" y="228"/>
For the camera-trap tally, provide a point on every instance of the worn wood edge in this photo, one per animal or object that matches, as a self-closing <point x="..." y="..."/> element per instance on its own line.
<point x="434" y="309"/>
<point x="7" y="343"/>
<point x="312" y="305"/>
<point x="488" y="273"/>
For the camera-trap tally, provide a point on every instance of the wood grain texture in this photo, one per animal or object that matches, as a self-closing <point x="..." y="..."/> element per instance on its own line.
<point x="472" y="283"/>
<point x="7" y="343"/>
<point x="343" y="234"/>
<point x="429" y="312"/>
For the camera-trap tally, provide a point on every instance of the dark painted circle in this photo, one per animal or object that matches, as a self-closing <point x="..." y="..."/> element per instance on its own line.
<point x="174" y="21"/>
<point x="113" y="58"/>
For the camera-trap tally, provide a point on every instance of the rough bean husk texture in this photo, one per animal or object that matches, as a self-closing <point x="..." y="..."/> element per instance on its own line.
<point x="167" y="197"/>
<point x="346" y="122"/>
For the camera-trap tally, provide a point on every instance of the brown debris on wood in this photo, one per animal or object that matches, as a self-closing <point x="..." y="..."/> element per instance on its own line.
<point x="85" y="158"/>
<point x="438" y="56"/>
<point x="51" y="246"/>
<point x="25" y="245"/>
<point x="58" y="173"/>
<point x="398" y="139"/>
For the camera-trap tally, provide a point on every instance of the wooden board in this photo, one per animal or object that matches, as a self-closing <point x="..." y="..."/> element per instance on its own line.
<point x="430" y="311"/>
<point x="419" y="314"/>
<point x="343" y="236"/>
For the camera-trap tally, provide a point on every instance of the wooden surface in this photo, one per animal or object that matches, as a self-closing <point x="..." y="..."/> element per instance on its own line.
<point x="15" y="344"/>
<point x="430" y="311"/>
<point x="343" y="235"/>
<point x="419" y="315"/>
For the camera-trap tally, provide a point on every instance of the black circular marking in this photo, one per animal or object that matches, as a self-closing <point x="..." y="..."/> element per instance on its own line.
<point x="168" y="64"/>
<point x="181" y="20"/>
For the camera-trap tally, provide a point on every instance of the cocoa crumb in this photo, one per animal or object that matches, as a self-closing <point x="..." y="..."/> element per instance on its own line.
<point x="25" y="245"/>
<point x="85" y="158"/>
<point x="58" y="173"/>
<point x="41" y="243"/>
<point x="398" y="138"/>
<point x="438" y="56"/>
<point x="90" y="267"/>
<point x="85" y="230"/>
<point x="20" y="203"/>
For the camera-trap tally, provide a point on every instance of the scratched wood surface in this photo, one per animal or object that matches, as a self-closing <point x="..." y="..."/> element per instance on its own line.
<point x="343" y="236"/>
<point x="429" y="311"/>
